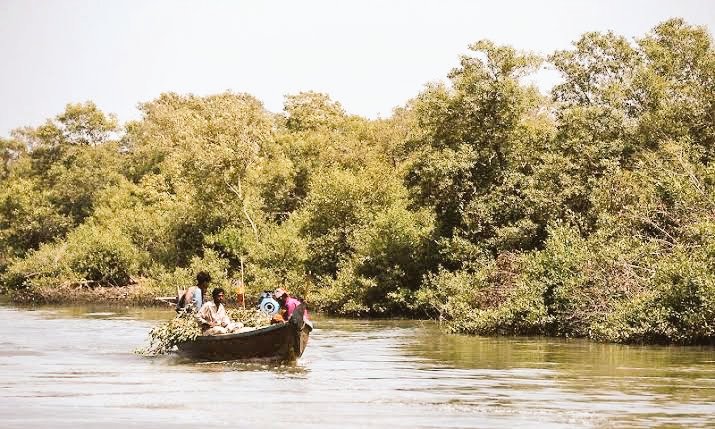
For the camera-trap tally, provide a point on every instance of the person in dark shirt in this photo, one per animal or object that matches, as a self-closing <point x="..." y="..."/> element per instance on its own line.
<point x="193" y="298"/>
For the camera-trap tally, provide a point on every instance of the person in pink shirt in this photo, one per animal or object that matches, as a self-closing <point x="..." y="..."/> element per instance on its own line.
<point x="288" y="303"/>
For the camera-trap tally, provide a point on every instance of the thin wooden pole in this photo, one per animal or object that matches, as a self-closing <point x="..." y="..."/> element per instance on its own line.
<point x="242" y="287"/>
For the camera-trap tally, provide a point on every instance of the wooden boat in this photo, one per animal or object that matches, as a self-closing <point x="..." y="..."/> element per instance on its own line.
<point x="284" y="342"/>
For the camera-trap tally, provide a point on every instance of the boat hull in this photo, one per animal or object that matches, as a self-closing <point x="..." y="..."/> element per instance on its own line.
<point x="284" y="342"/>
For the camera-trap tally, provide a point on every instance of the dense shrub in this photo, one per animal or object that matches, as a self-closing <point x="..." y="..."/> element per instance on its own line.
<point x="102" y="255"/>
<point x="678" y="307"/>
<point x="90" y="257"/>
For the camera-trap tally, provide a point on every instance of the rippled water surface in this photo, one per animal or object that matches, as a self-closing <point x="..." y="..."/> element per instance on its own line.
<point x="74" y="367"/>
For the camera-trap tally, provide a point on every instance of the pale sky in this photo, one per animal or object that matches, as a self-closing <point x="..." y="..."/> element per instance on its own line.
<point x="369" y="55"/>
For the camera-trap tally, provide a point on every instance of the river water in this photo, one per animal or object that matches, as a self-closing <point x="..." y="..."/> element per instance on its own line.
<point x="74" y="367"/>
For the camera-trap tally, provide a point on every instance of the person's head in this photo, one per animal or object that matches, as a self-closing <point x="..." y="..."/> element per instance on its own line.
<point x="203" y="279"/>
<point x="280" y="295"/>
<point x="218" y="295"/>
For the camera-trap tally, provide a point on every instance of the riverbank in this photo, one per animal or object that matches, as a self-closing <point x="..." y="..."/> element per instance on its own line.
<point x="64" y="294"/>
<point x="143" y="294"/>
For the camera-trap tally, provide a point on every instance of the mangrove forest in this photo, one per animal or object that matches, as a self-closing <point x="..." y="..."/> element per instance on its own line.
<point x="481" y="202"/>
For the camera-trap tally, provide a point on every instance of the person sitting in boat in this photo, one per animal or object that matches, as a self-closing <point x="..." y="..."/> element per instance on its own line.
<point x="193" y="297"/>
<point x="213" y="318"/>
<point x="288" y="306"/>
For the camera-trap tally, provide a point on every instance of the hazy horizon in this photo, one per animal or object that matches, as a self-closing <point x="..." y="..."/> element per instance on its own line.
<point x="370" y="56"/>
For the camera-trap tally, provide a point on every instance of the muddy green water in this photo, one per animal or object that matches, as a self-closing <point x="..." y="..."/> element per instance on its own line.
<point x="74" y="367"/>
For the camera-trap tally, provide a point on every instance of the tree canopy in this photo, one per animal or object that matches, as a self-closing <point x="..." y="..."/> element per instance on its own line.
<point x="586" y="212"/>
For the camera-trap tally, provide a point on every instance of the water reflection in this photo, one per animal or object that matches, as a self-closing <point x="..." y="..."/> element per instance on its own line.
<point x="287" y="370"/>
<point x="74" y="366"/>
<point x="637" y="384"/>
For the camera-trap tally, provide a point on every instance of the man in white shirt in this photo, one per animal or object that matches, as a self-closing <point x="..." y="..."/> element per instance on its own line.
<point x="213" y="318"/>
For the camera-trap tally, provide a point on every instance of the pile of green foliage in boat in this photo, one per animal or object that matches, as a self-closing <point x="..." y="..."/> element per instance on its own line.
<point x="184" y="327"/>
